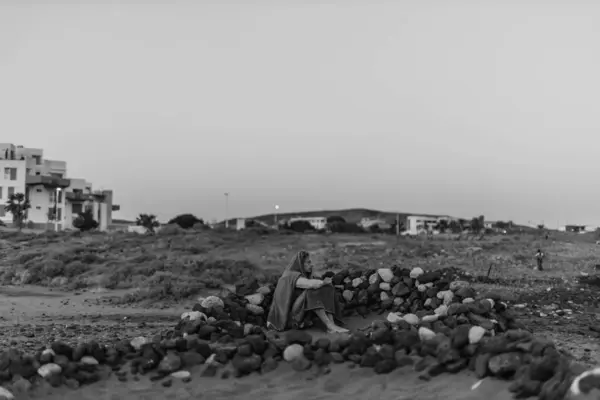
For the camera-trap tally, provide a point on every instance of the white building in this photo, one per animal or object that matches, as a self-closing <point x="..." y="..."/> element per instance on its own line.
<point x="367" y="223"/>
<point x="45" y="183"/>
<point x="418" y="224"/>
<point x="318" y="223"/>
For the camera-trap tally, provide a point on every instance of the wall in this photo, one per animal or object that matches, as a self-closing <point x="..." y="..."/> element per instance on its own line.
<point x="18" y="184"/>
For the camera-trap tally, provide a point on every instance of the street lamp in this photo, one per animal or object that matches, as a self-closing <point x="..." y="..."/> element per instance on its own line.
<point x="275" y="215"/>
<point x="56" y="194"/>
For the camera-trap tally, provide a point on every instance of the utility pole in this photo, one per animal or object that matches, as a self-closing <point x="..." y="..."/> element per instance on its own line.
<point x="275" y="215"/>
<point x="226" y="210"/>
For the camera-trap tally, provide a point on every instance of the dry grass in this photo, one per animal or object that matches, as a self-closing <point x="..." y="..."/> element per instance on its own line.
<point x="177" y="264"/>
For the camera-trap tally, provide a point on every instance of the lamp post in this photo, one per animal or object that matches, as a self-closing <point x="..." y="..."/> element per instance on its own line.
<point x="56" y="194"/>
<point x="275" y="215"/>
<point x="226" y="210"/>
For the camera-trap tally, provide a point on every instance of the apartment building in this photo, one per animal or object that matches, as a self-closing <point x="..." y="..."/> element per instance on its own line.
<point x="319" y="223"/>
<point x="56" y="200"/>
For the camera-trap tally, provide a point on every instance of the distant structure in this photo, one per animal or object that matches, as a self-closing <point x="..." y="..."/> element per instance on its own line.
<point x="318" y="223"/>
<point x="55" y="199"/>
<point x="577" y="228"/>
<point x="419" y="224"/>
<point x="367" y="223"/>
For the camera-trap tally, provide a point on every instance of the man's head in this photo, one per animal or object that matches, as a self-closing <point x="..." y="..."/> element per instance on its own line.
<point x="306" y="262"/>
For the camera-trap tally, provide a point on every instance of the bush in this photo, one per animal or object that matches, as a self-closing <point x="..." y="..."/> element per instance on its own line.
<point x="345" y="227"/>
<point x="85" y="221"/>
<point x="301" y="226"/>
<point x="186" y="221"/>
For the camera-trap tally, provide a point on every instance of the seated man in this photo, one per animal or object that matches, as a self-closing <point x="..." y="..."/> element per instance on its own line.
<point x="297" y="296"/>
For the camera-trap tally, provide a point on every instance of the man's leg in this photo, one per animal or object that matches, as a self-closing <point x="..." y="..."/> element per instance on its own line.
<point x="329" y="323"/>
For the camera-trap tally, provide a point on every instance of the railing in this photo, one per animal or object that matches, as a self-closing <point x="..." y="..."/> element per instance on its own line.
<point x="49" y="181"/>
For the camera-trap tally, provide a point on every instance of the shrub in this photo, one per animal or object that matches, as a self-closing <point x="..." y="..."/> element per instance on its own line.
<point x="186" y="221"/>
<point x="85" y="221"/>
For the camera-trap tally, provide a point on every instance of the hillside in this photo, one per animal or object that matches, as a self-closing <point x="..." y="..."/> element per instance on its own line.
<point x="353" y="215"/>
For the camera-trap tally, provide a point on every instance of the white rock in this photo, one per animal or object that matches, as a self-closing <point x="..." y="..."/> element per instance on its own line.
<point x="356" y="282"/>
<point x="398" y="301"/>
<point x="247" y="329"/>
<point x="454" y="286"/>
<point x="448" y="298"/>
<point x="374" y="278"/>
<point x="475" y="334"/>
<point x="394" y="317"/>
<point x="427" y="303"/>
<point x="293" y="352"/>
<point x="48" y="351"/>
<point x="181" y="374"/>
<point x="575" y="390"/>
<point x="383" y="296"/>
<point x="256" y="310"/>
<point x="492" y="302"/>
<point x="386" y="274"/>
<point x="441" y="294"/>
<point x="422" y="288"/>
<point x="87" y="360"/>
<point x="211" y="361"/>
<point x="138" y="342"/>
<point x="416" y="272"/>
<point x="212" y="302"/>
<point x="5" y="394"/>
<point x="426" y="334"/>
<point x="48" y="370"/>
<point x="430" y="318"/>
<point x="348" y="295"/>
<point x="429" y="285"/>
<point x="264" y="290"/>
<point x="211" y="320"/>
<point x="194" y="315"/>
<point x="347" y="280"/>
<point x="385" y="286"/>
<point x="411" y="319"/>
<point x="468" y="300"/>
<point x="442" y="311"/>
<point x="255" y="299"/>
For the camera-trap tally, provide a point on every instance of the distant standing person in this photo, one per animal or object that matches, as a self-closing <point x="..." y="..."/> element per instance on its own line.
<point x="539" y="256"/>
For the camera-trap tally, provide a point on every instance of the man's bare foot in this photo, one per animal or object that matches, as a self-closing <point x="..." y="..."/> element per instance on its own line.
<point x="336" y="329"/>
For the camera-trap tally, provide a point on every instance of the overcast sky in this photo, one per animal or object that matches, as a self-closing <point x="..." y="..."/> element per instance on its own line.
<point x="454" y="107"/>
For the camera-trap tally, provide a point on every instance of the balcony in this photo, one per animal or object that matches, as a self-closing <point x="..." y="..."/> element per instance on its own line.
<point x="76" y="197"/>
<point x="50" y="182"/>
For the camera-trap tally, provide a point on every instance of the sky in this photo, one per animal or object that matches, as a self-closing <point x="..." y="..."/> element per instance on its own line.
<point x="463" y="108"/>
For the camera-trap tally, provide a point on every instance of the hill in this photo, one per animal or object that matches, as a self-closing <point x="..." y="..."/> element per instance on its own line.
<point x="353" y="215"/>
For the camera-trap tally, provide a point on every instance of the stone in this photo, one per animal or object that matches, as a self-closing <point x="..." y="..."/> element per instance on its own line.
<point x="255" y="310"/>
<point x="506" y="364"/>
<point x="211" y="302"/>
<point x="348" y="295"/>
<point x="394" y="317"/>
<point x="400" y="290"/>
<point x="194" y="316"/>
<point x="293" y="352"/>
<point x="88" y="360"/>
<point x="456" y="285"/>
<point x="191" y="359"/>
<point x="416" y="272"/>
<point x="411" y="319"/>
<point x="5" y="394"/>
<point x="181" y="375"/>
<point x="476" y="333"/>
<point x="48" y="370"/>
<point x="170" y="363"/>
<point x="383" y="296"/>
<point x="357" y="282"/>
<point x="385" y="286"/>
<point x="430" y="318"/>
<point x="138" y="342"/>
<point x="426" y="334"/>
<point x="386" y="274"/>
<point x="255" y="299"/>
<point x="301" y="364"/>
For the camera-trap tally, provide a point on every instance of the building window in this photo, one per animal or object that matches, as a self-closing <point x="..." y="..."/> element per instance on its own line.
<point x="38" y="160"/>
<point x="39" y="190"/>
<point x="37" y="173"/>
<point x="53" y="196"/>
<point x="59" y="212"/>
<point x="1" y="188"/>
<point x="38" y="207"/>
<point x="10" y="174"/>
<point x="77" y="208"/>
<point x="11" y="191"/>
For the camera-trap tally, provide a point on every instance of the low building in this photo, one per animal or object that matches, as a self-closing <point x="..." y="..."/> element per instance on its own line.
<point x="319" y="223"/>
<point x="419" y="224"/>
<point x="367" y="223"/>
<point x="55" y="199"/>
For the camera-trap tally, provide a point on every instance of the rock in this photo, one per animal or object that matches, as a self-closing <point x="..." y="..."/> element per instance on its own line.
<point x="181" y="375"/>
<point x="357" y="282"/>
<point x="293" y="352"/>
<point x="385" y="286"/>
<point x="170" y="363"/>
<point x="476" y="333"/>
<point x="88" y="360"/>
<point x="255" y="310"/>
<point x="411" y="319"/>
<point x="430" y="318"/>
<point x="5" y="394"/>
<point x="394" y="317"/>
<point x="398" y="301"/>
<point x="386" y="274"/>
<point x="138" y="342"/>
<point x="374" y="279"/>
<point x="264" y="290"/>
<point x="400" y="289"/>
<point x="46" y="371"/>
<point x="456" y="285"/>
<point x="383" y="296"/>
<point x="348" y="295"/>
<point x="246" y="365"/>
<point x="426" y="334"/>
<point x="468" y="300"/>
<point x="502" y="365"/>
<point x="301" y="364"/>
<point x="255" y="299"/>
<point x="193" y="316"/>
<point x="416" y="272"/>
<point x="191" y="359"/>
<point x="212" y="302"/>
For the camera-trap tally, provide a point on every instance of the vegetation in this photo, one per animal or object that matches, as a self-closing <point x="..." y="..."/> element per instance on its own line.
<point x="186" y="221"/>
<point x="148" y="221"/>
<point x="85" y="221"/>
<point x="17" y="204"/>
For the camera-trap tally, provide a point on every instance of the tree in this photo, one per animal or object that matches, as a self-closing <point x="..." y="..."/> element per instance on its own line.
<point x="148" y="221"/>
<point x="345" y="227"/>
<point x="335" y="218"/>
<point x="541" y="227"/>
<point x="442" y="226"/>
<point x="17" y="204"/>
<point x="301" y="226"/>
<point x="455" y="226"/>
<point x="186" y="221"/>
<point x="477" y="224"/>
<point x="85" y="221"/>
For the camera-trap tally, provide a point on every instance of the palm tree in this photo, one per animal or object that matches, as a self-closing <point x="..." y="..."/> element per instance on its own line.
<point x="17" y="204"/>
<point x="148" y="221"/>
